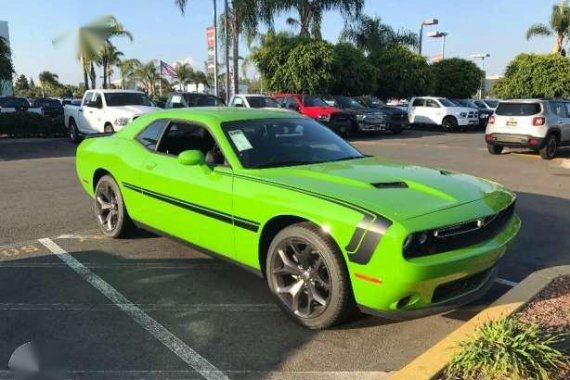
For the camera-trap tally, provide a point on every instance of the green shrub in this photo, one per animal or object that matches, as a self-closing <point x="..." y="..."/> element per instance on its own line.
<point x="27" y="124"/>
<point x="509" y="349"/>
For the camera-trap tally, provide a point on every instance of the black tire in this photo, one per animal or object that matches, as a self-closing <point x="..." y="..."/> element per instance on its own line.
<point x="495" y="149"/>
<point x="396" y="130"/>
<point x="108" y="128"/>
<point x="73" y="132"/>
<point x="316" y="270"/>
<point x="450" y="124"/>
<point x="550" y="148"/>
<point x="110" y="211"/>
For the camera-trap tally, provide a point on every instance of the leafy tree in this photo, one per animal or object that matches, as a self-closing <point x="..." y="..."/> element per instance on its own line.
<point x="309" y="68"/>
<point x="49" y="82"/>
<point x="535" y="76"/>
<point x="6" y="65"/>
<point x="371" y="35"/>
<point x="353" y="74"/>
<point x="456" y="78"/>
<point x="310" y="13"/>
<point x="21" y="85"/>
<point x="559" y="26"/>
<point x="401" y="73"/>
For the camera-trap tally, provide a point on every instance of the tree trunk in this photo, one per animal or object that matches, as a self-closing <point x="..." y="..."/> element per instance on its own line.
<point x="85" y="78"/>
<point x="304" y="20"/>
<point x="559" y="43"/>
<point x="105" y="64"/>
<point x="235" y="60"/>
<point x="93" y="76"/>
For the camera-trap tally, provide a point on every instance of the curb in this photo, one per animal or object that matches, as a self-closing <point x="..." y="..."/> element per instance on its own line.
<point x="430" y="364"/>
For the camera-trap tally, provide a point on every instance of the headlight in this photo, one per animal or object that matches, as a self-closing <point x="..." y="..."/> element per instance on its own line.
<point x="415" y="240"/>
<point x="360" y="117"/>
<point x="121" y="121"/>
<point x="324" y="117"/>
<point x="462" y="114"/>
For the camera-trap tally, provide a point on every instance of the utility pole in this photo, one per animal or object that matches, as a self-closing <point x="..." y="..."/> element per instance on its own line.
<point x="227" y="48"/>
<point x="216" y="88"/>
<point x="427" y="21"/>
<point x="482" y="57"/>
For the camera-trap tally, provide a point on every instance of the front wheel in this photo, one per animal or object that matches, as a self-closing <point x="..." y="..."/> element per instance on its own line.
<point x="110" y="210"/>
<point x="73" y="132"/>
<point x="450" y="124"/>
<point x="305" y="272"/>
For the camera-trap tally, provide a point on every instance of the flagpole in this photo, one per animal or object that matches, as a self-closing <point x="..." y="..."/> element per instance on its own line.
<point x="160" y="79"/>
<point x="216" y="91"/>
<point x="227" y="50"/>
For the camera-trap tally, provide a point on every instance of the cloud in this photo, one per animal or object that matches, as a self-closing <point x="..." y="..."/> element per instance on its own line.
<point x="191" y="61"/>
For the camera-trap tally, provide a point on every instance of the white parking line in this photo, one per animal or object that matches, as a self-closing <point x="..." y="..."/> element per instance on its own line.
<point x="506" y="282"/>
<point x="171" y="341"/>
<point x="181" y="307"/>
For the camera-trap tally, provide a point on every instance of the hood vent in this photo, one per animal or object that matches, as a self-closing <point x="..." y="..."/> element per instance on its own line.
<point x="390" y="185"/>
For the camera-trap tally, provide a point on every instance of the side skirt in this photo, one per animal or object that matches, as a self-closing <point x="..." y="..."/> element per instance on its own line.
<point x="205" y="251"/>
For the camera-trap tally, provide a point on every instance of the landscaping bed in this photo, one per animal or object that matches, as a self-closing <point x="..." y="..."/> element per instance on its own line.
<point x="28" y="124"/>
<point x="532" y="343"/>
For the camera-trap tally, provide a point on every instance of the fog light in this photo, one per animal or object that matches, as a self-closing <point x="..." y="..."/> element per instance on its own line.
<point x="404" y="302"/>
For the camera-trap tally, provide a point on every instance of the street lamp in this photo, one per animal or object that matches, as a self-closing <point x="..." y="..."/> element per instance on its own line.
<point x="441" y="35"/>
<point x="482" y="57"/>
<point x="427" y="21"/>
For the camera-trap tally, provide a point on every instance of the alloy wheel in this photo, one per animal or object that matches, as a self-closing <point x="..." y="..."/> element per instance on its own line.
<point x="301" y="278"/>
<point x="107" y="207"/>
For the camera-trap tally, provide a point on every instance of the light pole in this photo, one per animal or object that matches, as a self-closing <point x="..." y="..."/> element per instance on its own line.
<point x="482" y="57"/>
<point x="216" y="88"/>
<point x="227" y="50"/>
<point x="441" y="35"/>
<point x="426" y="22"/>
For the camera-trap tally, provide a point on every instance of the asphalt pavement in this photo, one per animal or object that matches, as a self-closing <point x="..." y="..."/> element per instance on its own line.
<point x="151" y="308"/>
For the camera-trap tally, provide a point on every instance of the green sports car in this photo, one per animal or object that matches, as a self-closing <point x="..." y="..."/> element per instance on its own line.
<point x="329" y="228"/>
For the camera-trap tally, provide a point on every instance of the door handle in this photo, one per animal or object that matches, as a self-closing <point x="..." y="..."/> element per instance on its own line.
<point x="150" y="165"/>
<point x="80" y="110"/>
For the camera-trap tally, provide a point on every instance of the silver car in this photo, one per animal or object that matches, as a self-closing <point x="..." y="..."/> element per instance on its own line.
<point x="538" y="124"/>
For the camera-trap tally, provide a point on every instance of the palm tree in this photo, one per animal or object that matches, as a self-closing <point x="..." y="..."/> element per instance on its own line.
<point x="147" y="74"/>
<point x="370" y="35"/>
<point x="184" y="74"/>
<point x="128" y="68"/>
<point x="311" y="13"/>
<point x="109" y="57"/>
<point x="559" y="26"/>
<point x="48" y="81"/>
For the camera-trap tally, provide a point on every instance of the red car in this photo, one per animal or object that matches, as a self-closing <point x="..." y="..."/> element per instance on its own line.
<point x="316" y="108"/>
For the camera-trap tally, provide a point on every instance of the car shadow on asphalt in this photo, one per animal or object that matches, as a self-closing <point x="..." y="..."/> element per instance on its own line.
<point x="31" y="148"/>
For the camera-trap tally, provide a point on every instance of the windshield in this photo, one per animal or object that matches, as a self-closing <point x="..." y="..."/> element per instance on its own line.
<point x="314" y="101"/>
<point x="269" y="143"/>
<point x="262" y="102"/>
<point x="461" y="102"/>
<point x="446" y="102"/>
<point x="518" y="109"/>
<point x="346" y="102"/>
<point x="492" y="103"/>
<point x="117" y="99"/>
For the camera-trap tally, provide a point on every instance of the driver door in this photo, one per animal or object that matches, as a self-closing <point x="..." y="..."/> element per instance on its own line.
<point x="190" y="202"/>
<point x="91" y="114"/>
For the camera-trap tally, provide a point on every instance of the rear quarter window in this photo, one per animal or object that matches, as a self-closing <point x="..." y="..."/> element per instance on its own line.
<point x="518" y="109"/>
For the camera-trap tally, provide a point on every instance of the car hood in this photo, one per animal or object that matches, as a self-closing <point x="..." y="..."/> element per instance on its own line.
<point x="394" y="190"/>
<point x="363" y="111"/>
<point x="462" y="109"/>
<point x="322" y="110"/>
<point x="134" y="110"/>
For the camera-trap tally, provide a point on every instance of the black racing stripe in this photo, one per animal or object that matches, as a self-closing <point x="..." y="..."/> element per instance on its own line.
<point x="221" y="216"/>
<point x="371" y="240"/>
<point x="358" y="233"/>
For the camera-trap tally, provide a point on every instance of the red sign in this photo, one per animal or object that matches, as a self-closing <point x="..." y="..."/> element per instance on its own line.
<point x="210" y="37"/>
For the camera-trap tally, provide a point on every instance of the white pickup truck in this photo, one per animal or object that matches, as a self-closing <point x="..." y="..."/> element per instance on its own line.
<point x="105" y="111"/>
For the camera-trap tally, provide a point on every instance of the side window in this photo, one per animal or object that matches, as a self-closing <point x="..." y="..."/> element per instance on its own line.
<point x="238" y="101"/>
<point x="559" y="109"/>
<point x="419" y="102"/>
<point x="567" y="105"/>
<point x="150" y="135"/>
<point x="180" y="137"/>
<point x="95" y="102"/>
<point x="291" y="103"/>
<point x="175" y="101"/>
<point x="431" y="103"/>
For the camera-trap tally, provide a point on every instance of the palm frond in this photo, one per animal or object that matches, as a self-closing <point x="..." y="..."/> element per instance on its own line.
<point x="538" y="30"/>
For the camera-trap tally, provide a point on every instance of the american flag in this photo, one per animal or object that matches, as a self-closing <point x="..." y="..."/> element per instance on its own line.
<point x="167" y="70"/>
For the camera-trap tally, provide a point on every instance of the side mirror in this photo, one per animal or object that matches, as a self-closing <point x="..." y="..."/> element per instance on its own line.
<point x="191" y="157"/>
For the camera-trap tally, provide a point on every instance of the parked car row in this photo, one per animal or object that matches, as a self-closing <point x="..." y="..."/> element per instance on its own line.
<point x="43" y="106"/>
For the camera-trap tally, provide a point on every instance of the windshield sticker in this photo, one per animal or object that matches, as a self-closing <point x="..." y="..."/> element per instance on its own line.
<point x="176" y="99"/>
<point x="240" y="140"/>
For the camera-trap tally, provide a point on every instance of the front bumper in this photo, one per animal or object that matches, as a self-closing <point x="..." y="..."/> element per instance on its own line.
<point x="373" y="127"/>
<point x="407" y="288"/>
<point x="468" y="122"/>
<point x="514" y="140"/>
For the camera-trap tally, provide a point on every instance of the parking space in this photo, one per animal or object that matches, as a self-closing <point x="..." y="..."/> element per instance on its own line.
<point x="151" y="308"/>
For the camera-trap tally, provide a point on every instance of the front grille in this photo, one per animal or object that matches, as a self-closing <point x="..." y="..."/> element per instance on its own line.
<point x="473" y="115"/>
<point x="459" y="287"/>
<point x="457" y="236"/>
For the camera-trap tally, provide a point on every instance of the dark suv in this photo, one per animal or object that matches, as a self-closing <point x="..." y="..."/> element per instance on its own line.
<point x="14" y="102"/>
<point x="48" y="106"/>
<point x="192" y="99"/>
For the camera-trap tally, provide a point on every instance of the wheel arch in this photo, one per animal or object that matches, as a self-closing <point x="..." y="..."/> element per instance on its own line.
<point x="446" y="117"/>
<point x="556" y="132"/>
<point x="276" y="224"/>
<point x="98" y="174"/>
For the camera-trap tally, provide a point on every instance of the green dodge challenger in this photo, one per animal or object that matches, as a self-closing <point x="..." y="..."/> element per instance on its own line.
<point x="328" y="227"/>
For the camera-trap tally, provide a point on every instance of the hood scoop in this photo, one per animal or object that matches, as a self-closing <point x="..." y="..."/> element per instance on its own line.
<point x="390" y="185"/>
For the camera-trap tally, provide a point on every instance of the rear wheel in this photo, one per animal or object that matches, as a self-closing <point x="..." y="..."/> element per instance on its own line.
<point x="396" y="130"/>
<point x="450" y="124"/>
<point x="306" y="274"/>
<point x="550" y="148"/>
<point x="109" y="208"/>
<point x="494" y="149"/>
<point x="73" y="131"/>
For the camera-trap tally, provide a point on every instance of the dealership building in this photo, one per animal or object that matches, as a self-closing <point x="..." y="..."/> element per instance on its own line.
<point x="5" y="85"/>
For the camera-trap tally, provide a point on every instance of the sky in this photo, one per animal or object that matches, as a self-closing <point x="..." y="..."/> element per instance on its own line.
<point x="160" y="31"/>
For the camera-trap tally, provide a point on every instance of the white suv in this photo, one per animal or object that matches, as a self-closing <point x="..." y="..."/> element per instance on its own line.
<point x="441" y="111"/>
<point x="538" y="124"/>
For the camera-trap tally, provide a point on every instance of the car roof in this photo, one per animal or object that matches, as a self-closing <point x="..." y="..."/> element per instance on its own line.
<point x="254" y="95"/>
<point x="534" y="100"/>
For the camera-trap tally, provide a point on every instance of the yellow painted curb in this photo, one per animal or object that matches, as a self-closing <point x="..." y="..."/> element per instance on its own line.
<point x="430" y="364"/>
